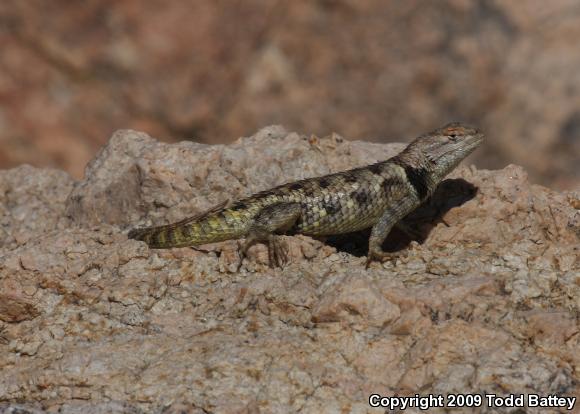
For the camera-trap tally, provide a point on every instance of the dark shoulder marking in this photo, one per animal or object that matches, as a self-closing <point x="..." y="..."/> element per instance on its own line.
<point x="419" y="179"/>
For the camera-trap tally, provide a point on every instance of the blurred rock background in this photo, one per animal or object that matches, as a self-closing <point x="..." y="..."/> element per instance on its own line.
<point x="210" y="71"/>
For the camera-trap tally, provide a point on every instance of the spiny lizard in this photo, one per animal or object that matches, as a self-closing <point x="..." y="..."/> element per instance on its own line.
<point x="377" y="196"/>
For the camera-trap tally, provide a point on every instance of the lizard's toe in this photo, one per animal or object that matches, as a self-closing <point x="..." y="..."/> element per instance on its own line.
<point x="379" y="256"/>
<point x="277" y="253"/>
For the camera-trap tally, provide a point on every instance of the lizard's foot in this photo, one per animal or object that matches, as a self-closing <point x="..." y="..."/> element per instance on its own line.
<point x="378" y="255"/>
<point x="243" y="250"/>
<point x="277" y="252"/>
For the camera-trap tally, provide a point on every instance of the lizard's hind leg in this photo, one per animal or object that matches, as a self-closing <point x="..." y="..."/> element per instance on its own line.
<point x="271" y="220"/>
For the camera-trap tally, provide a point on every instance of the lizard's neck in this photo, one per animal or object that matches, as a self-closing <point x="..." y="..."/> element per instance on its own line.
<point x="419" y="171"/>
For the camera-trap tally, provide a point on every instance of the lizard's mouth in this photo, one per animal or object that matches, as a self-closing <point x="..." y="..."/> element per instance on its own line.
<point x="454" y="154"/>
<point x="474" y="141"/>
<point x="462" y="149"/>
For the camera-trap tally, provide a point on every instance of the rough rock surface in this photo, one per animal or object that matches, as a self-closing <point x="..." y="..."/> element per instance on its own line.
<point x="93" y="322"/>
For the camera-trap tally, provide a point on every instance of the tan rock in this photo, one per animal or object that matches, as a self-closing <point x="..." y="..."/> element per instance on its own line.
<point x="93" y="322"/>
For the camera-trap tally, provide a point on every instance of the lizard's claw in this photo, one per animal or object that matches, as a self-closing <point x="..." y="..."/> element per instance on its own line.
<point x="379" y="256"/>
<point x="241" y="255"/>
<point x="277" y="252"/>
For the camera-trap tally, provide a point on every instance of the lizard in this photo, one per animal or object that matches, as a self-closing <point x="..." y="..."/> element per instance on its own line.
<point x="379" y="195"/>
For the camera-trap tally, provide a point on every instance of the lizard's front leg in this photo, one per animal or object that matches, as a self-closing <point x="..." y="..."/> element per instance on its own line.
<point x="275" y="218"/>
<point x="391" y="216"/>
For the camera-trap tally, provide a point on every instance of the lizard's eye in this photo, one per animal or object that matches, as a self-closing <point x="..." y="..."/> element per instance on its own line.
<point x="453" y="136"/>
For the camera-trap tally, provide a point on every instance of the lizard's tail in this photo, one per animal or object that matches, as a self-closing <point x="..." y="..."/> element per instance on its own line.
<point x="215" y="225"/>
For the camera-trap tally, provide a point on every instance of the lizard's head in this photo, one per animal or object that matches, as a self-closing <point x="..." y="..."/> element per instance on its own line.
<point x="447" y="146"/>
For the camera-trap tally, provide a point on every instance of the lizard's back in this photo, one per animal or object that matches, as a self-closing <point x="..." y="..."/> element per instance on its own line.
<point x="339" y="203"/>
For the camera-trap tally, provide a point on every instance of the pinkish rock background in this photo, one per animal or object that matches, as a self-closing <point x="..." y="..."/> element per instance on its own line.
<point x="71" y="73"/>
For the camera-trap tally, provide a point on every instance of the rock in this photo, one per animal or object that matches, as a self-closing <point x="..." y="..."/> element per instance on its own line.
<point x="32" y="201"/>
<point x="16" y="309"/>
<point x="93" y="322"/>
<point x="352" y="299"/>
